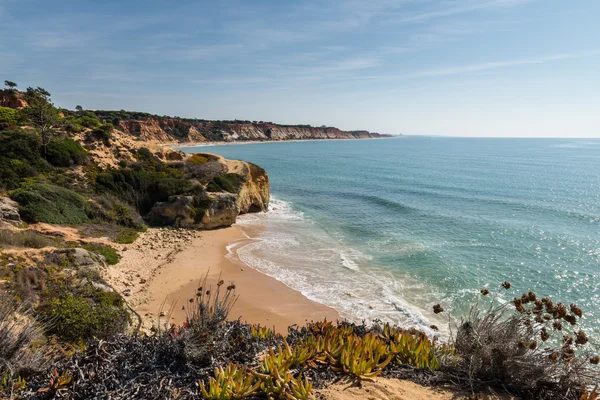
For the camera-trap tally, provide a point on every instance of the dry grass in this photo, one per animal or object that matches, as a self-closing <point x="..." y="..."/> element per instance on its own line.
<point x="209" y="308"/>
<point x="21" y="351"/>
<point x="26" y="239"/>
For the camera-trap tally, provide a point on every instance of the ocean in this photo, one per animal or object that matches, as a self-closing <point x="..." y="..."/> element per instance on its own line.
<point x="383" y="229"/>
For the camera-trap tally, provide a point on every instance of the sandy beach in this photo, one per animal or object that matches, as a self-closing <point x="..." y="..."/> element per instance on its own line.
<point x="182" y="145"/>
<point x="164" y="267"/>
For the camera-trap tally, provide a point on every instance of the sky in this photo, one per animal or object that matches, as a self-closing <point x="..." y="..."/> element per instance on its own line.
<point x="525" y="68"/>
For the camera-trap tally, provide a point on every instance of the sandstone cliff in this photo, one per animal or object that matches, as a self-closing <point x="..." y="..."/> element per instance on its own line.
<point x="12" y="99"/>
<point x="167" y="130"/>
<point x="230" y="188"/>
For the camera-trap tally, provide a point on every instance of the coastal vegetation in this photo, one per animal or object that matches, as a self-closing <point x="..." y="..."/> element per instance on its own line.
<point x="498" y="347"/>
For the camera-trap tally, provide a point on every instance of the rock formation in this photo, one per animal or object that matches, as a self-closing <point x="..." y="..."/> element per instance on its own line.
<point x="231" y="188"/>
<point x="9" y="211"/>
<point x="12" y="99"/>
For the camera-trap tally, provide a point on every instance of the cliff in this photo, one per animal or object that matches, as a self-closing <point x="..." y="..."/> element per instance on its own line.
<point x="149" y="127"/>
<point x="230" y="188"/>
<point x="12" y="99"/>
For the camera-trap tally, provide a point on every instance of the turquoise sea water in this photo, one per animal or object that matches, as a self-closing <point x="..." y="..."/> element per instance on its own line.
<point x="386" y="228"/>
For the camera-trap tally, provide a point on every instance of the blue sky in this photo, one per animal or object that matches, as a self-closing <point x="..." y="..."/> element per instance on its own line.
<point x="442" y="67"/>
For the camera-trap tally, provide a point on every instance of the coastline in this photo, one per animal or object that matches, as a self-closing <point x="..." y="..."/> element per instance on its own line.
<point x="161" y="271"/>
<point x="184" y="145"/>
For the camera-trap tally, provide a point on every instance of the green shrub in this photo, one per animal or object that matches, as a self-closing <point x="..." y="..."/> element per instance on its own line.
<point x="19" y="157"/>
<point x="144" y="183"/>
<point x="197" y="159"/>
<point x="78" y="317"/>
<point x="109" y="253"/>
<point x="127" y="236"/>
<point x="103" y="133"/>
<point x="51" y="204"/>
<point x="26" y="238"/>
<point x="8" y="116"/>
<point x="78" y="121"/>
<point x="64" y="152"/>
<point x="112" y="209"/>
<point x="231" y="183"/>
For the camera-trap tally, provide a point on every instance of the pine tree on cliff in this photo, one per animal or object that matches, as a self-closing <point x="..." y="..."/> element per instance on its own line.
<point x="10" y="86"/>
<point x="41" y="113"/>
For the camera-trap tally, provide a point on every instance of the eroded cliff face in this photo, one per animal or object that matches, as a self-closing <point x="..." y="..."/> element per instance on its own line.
<point x="12" y="99"/>
<point x="230" y="188"/>
<point x="168" y="130"/>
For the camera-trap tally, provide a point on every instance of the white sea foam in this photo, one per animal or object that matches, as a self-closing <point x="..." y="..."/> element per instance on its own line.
<point x="286" y="245"/>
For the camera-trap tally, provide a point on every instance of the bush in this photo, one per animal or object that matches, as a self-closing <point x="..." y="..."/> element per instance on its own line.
<point x="65" y="152"/>
<point x="198" y="159"/>
<point x="109" y="253"/>
<point x="20" y="349"/>
<point x="26" y="238"/>
<point x="78" y="121"/>
<point x="51" y="204"/>
<point x="8" y="116"/>
<point x="20" y="157"/>
<point x="513" y="348"/>
<point x="78" y="317"/>
<point x="113" y="210"/>
<point x="144" y="183"/>
<point x="103" y="133"/>
<point x="231" y="183"/>
<point x="127" y="236"/>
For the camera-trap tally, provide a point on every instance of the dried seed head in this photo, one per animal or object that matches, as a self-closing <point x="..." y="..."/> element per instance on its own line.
<point x="559" y="311"/>
<point x="595" y="360"/>
<point x="539" y="319"/>
<point x="191" y="300"/>
<point x="570" y="319"/>
<point x="531" y="295"/>
<point x="544" y="334"/>
<point x="220" y="283"/>
<point x="506" y="285"/>
<point x="533" y="345"/>
<point x="484" y="292"/>
<point x="522" y="344"/>
<point x="576" y="310"/>
<point x="557" y="325"/>
<point x="437" y="309"/>
<point x="434" y="328"/>
<point x="581" y="338"/>
<point x="553" y="356"/>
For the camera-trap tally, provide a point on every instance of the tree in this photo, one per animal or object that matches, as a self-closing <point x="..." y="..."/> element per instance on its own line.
<point x="41" y="113"/>
<point x="79" y="109"/>
<point x="10" y="86"/>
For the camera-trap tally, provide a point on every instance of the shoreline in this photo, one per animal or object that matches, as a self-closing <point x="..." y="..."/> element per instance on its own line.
<point x="162" y="270"/>
<point x="232" y="143"/>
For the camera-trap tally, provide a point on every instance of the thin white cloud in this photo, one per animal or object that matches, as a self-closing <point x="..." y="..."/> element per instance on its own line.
<point x="463" y="69"/>
<point x="457" y="9"/>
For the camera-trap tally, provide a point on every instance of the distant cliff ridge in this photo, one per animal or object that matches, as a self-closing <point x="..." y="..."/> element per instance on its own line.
<point x="167" y="129"/>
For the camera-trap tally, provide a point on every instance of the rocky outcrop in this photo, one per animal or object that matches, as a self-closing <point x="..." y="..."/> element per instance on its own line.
<point x="9" y="211"/>
<point x="231" y="188"/>
<point x="12" y="99"/>
<point x="83" y="259"/>
<point x="205" y="211"/>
